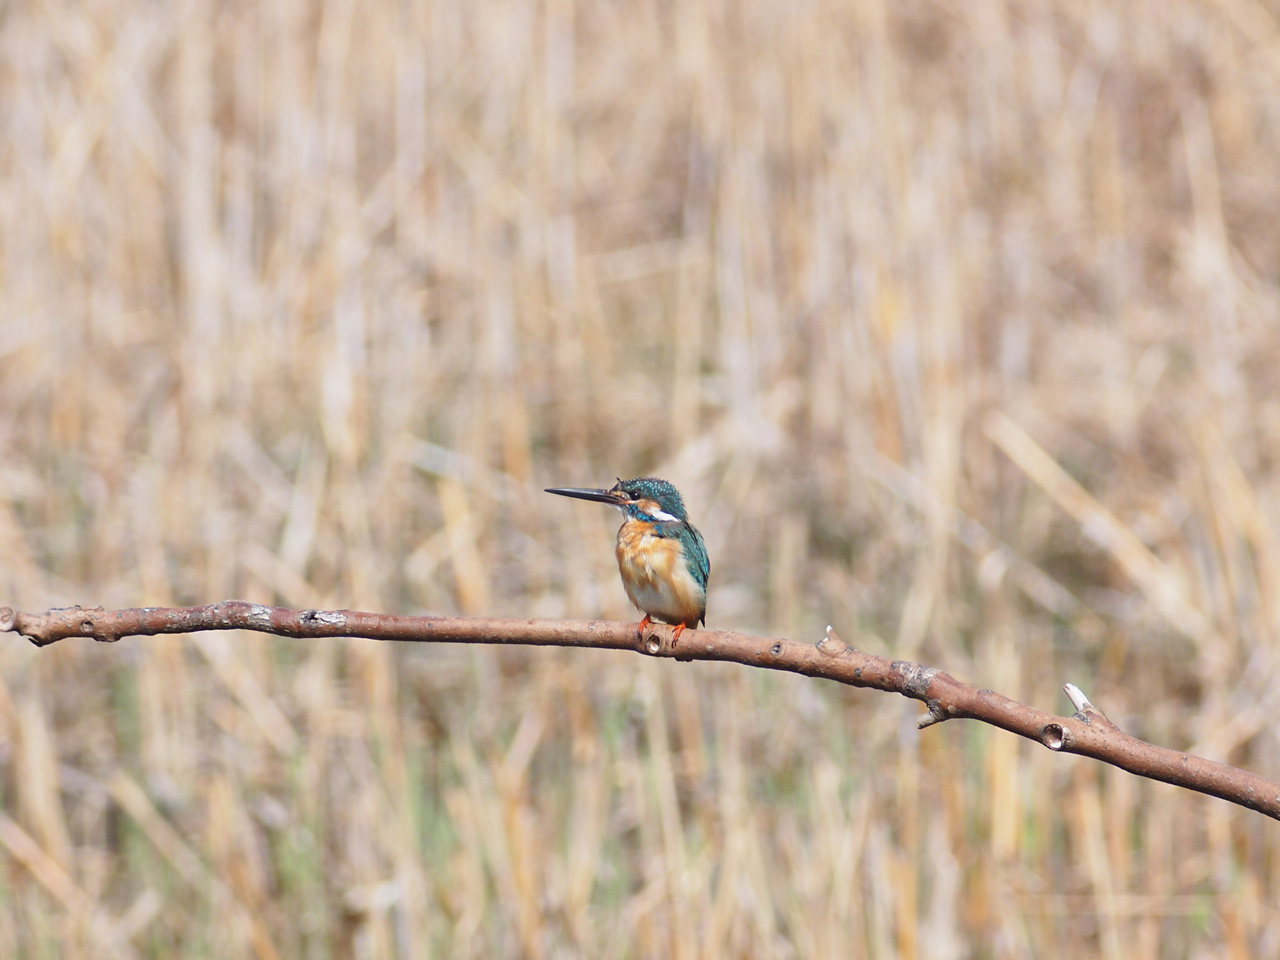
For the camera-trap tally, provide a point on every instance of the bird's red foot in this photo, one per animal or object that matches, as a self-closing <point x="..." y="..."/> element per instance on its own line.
<point x="675" y="637"/>
<point x="644" y="623"/>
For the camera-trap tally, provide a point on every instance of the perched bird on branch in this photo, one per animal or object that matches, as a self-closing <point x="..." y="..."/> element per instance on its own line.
<point x="661" y="555"/>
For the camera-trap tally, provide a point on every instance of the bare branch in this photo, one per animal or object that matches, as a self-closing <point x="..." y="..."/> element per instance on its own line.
<point x="1088" y="733"/>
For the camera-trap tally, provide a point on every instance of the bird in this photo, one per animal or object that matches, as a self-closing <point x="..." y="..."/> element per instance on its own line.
<point x="661" y="555"/>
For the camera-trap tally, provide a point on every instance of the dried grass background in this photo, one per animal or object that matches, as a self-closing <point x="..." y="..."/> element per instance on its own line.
<point x="956" y="323"/>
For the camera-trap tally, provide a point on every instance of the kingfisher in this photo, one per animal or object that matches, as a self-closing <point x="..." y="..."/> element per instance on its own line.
<point x="661" y="555"/>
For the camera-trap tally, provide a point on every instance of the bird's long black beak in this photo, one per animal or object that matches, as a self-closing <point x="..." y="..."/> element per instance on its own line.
<point x="611" y="497"/>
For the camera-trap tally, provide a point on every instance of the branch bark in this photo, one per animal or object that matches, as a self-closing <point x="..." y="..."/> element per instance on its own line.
<point x="1087" y="733"/>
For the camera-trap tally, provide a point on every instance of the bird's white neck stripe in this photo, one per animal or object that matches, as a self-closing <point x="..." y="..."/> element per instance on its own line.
<point x="660" y="515"/>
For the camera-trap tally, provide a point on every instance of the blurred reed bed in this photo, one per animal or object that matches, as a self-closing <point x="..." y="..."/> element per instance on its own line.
<point x="955" y="323"/>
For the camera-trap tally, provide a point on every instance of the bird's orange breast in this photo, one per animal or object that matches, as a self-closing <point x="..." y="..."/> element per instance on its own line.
<point x="656" y="576"/>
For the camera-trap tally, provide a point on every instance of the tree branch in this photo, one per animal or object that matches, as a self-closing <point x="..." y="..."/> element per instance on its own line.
<point x="1087" y="733"/>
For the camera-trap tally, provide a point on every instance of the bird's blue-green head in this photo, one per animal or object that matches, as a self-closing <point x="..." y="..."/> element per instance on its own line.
<point x="644" y="498"/>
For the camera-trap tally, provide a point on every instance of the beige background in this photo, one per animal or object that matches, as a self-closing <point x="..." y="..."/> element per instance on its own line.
<point x="956" y="323"/>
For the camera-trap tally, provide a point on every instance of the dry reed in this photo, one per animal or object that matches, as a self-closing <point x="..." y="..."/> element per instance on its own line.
<point x="955" y="323"/>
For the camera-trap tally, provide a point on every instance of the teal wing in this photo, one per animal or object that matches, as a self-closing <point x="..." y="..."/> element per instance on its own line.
<point x="695" y="554"/>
